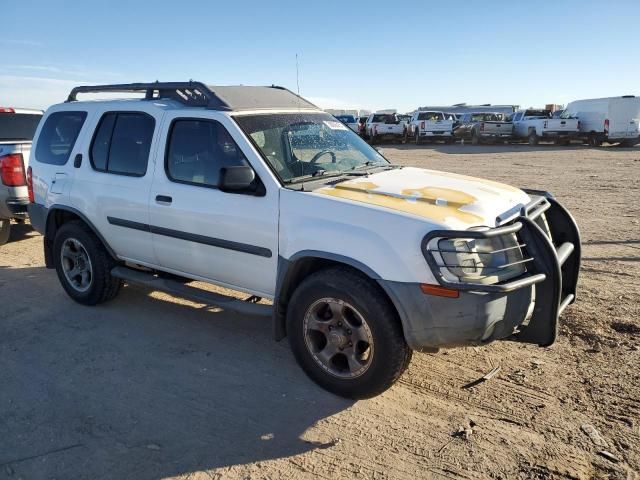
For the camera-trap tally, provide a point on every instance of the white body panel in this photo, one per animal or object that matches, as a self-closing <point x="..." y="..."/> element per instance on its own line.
<point x="623" y="115"/>
<point x="429" y="128"/>
<point x="523" y="125"/>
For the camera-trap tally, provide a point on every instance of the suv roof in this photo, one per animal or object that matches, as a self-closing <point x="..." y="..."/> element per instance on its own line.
<point x="197" y="94"/>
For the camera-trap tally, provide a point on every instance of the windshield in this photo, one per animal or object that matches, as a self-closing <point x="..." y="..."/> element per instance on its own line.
<point x="308" y="144"/>
<point x="18" y="126"/>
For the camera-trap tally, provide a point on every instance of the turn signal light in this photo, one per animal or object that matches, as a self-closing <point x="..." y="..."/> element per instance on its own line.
<point x="439" y="291"/>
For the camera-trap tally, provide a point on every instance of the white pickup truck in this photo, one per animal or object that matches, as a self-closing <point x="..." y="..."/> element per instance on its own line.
<point x="17" y="126"/>
<point x="426" y="125"/>
<point x="384" y="126"/>
<point x="536" y="125"/>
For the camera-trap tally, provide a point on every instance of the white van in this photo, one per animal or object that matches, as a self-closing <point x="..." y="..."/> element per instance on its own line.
<point x="613" y="119"/>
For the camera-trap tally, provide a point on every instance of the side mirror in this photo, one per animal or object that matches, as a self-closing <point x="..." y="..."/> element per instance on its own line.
<point x="237" y="179"/>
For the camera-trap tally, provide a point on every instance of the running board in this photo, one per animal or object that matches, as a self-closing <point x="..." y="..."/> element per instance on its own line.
<point x="148" y="280"/>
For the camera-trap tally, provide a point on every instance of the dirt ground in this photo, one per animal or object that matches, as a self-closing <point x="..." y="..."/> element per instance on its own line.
<point x="150" y="386"/>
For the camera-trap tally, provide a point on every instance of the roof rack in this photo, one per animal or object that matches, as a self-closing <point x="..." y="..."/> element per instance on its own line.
<point x="195" y="94"/>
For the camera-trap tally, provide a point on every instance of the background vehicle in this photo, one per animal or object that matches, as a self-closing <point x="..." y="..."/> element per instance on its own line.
<point x="483" y="127"/>
<point x="536" y="125"/>
<point x="613" y="119"/>
<point x="428" y="126"/>
<point x="384" y="126"/>
<point x="17" y="127"/>
<point x="362" y="126"/>
<point x="350" y="121"/>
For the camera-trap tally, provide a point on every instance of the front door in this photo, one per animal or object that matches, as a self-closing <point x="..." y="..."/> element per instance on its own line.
<point x="199" y="230"/>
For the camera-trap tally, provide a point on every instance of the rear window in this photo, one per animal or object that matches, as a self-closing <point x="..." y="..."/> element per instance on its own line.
<point x="58" y="136"/>
<point x="430" y="116"/>
<point x="346" y="118"/>
<point x="18" y="126"/>
<point x="122" y="143"/>
<point x="384" y="118"/>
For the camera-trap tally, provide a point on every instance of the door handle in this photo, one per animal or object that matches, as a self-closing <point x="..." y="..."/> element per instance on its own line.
<point x="77" y="161"/>
<point x="163" y="199"/>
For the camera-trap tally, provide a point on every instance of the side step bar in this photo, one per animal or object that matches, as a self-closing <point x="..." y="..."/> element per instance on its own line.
<point x="172" y="287"/>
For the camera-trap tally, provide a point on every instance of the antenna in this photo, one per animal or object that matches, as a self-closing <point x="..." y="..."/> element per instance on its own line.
<point x="297" y="75"/>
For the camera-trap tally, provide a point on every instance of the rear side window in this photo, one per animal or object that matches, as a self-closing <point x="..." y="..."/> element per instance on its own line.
<point x="198" y="149"/>
<point x="58" y="136"/>
<point x="18" y="126"/>
<point x="122" y="143"/>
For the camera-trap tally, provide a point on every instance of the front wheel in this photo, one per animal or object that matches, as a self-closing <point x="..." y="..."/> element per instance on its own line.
<point x="83" y="265"/>
<point x="533" y="138"/>
<point x="5" y="230"/>
<point x="345" y="334"/>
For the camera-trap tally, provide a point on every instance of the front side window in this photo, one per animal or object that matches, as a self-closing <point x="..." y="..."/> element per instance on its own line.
<point x="58" y="136"/>
<point x="122" y="143"/>
<point x="300" y="144"/>
<point x="198" y="149"/>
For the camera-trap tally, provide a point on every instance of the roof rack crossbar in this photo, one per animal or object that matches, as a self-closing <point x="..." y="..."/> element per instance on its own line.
<point x="191" y="93"/>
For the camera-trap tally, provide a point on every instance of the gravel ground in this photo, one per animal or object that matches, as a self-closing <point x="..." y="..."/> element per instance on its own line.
<point x="150" y="386"/>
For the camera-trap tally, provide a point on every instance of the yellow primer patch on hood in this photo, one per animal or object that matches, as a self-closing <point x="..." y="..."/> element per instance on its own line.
<point x="442" y="197"/>
<point x="436" y="204"/>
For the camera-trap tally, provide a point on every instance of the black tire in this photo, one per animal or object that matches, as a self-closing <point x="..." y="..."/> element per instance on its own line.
<point x="475" y="139"/>
<point x="594" y="141"/>
<point x="5" y="230"/>
<point x="372" y="140"/>
<point x="391" y="355"/>
<point x="102" y="286"/>
<point x="417" y="138"/>
<point x="533" y="138"/>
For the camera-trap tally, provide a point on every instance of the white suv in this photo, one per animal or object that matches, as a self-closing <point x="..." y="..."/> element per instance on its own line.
<point x="257" y="190"/>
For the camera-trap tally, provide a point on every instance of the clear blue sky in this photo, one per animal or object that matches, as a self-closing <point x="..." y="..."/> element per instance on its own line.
<point x="367" y="54"/>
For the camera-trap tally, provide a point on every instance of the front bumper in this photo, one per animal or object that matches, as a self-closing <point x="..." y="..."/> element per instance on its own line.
<point x="483" y="313"/>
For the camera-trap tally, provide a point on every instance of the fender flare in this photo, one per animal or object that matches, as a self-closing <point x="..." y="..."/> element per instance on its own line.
<point x="49" y="225"/>
<point x="287" y="272"/>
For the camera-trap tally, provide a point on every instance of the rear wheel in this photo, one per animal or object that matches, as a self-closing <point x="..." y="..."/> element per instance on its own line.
<point x="594" y="141"/>
<point x="345" y="334"/>
<point x="417" y="138"/>
<point x="5" y="230"/>
<point x="533" y="138"/>
<point x="83" y="265"/>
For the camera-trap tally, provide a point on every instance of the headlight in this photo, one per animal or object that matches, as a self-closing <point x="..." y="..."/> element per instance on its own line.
<point x="481" y="260"/>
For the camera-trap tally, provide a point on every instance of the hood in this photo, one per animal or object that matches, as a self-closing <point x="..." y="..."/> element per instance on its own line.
<point x="457" y="201"/>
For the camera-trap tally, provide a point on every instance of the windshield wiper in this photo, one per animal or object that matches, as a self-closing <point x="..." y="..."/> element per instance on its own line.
<point x="371" y="163"/>
<point x="323" y="173"/>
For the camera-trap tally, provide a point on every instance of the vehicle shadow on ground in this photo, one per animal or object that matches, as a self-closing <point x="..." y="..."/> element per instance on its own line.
<point x="21" y="231"/>
<point x="143" y="387"/>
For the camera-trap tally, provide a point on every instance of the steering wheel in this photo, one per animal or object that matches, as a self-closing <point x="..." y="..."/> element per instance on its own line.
<point x="317" y="156"/>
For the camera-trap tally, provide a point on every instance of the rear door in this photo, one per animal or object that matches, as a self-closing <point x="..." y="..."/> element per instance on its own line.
<point x="199" y="230"/>
<point x="113" y="178"/>
<point x="624" y="116"/>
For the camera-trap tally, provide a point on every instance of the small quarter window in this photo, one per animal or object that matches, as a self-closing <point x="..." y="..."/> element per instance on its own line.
<point x="122" y="143"/>
<point x="58" y="136"/>
<point x="198" y="149"/>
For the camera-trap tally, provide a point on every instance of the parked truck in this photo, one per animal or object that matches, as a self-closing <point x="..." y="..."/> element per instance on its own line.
<point x="482" y="127"/>
<point x="430" y="126"/>
<point x="537" y="124"/>
<point x="17" y="127"/>
<point x="384" y="126"/>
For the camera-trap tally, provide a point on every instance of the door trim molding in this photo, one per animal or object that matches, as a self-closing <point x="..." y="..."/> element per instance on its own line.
<point x="193" y="237"/>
